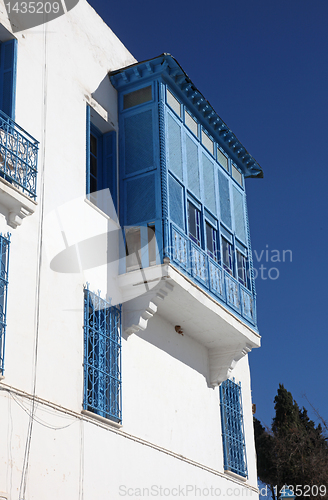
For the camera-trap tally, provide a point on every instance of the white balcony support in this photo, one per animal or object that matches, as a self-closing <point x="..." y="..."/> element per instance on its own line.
<point x="201" y="317"/>
<point x="14" y="204"/>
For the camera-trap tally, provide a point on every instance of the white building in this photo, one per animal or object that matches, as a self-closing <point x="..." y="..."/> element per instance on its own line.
<point x="142" y="389"/>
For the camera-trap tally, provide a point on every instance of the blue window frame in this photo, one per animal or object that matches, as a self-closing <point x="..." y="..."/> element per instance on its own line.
<point x="102" y="357"/>
<point x="101" y="167"/>
<point x="4" y="265"/>
<point x="8" y="77"/>
<point x="233" y="428"/>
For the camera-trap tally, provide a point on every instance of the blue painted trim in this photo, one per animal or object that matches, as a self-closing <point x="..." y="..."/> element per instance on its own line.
<point x="102" y="356"/>
<point x="167" y="68"/>
<point x="232" y="423"/>
<point x="4" y="264"/>
<point x="87" y="150"/>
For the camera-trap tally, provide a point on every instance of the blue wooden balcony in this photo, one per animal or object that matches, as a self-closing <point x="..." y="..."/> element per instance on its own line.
<point x="18" y="156"/>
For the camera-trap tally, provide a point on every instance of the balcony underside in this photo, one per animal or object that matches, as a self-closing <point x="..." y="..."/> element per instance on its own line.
<point x="164" y="290"/>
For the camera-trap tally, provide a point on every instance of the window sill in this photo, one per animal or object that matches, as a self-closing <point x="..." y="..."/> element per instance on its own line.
<point x="101" y="212"/>
<point x="16" y="205"/>
<point x="102" y="419"/>
<point x="236" y="476"/>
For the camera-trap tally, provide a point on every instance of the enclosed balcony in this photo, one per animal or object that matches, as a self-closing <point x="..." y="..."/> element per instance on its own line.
<point x="183" y="200"/>
<point x="18" y="171"/>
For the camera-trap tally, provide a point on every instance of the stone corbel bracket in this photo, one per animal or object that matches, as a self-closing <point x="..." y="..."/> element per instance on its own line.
<point x="223" y="361"/>
<point x="14" y="205"/>
<point x="138" y="311"/>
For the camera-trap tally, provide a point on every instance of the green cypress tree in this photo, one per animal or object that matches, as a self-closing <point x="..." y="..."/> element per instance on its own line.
<point x="293" y="452"/>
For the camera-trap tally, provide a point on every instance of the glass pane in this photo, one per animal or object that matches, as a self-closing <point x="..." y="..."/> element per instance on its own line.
<point x="133" y="248"/>
<point x="227" y="255"/>
<point x="223" y="160"/>
<point x="237" y="175"/>
<point x="137" y="97"/>
<point x="208" y="143"/>
<point x="194" y="223"/>
<point x="93" y="184"/>
<point x="173" y="102"/>
<point x="93" y="166"/>
<point x="152" y="245"/>
<point x="191" y="123"/>
<point x="241" y="265"/>
<point x="211" y="242"/>
<point x="93" y="145"/>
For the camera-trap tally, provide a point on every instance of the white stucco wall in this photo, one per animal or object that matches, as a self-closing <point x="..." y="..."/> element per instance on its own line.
<point x="171" y="434"/>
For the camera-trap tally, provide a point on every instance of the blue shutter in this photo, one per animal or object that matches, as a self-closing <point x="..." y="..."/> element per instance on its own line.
<point x="140" y="200"/>
<point x="176" y="203"/>
<point x="209" y="184"/>
<point x="239" y="214"/>
<point x="109" y="164"/>
<point x="8" y="77"/>
<point x="138" y="142"/>
<point x="225" y="207"/>
<point x="192" y="166"/>
<point x="174" y="147"/>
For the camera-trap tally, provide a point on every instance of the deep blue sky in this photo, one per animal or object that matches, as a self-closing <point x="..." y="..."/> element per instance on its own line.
<point x="262" y="64"/>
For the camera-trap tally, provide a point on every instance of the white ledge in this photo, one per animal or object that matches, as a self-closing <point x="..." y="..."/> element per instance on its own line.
<point x="14" y="204"/>
<point x="101" y="419"/>
<point x="236" y="476"/>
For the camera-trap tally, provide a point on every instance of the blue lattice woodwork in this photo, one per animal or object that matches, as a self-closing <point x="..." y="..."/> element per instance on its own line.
<point x="102" y="357"/>
<point x="4" y="266"/>
<point x="232" y="422"/>
<point x="18" y="156"/>
<point x="175" y="151"/>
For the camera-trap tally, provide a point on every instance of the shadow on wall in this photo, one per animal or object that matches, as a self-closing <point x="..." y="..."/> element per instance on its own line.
<point x="163" y="335"/>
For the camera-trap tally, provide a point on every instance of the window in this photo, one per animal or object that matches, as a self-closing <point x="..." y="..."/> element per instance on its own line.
<point x="227" y="255"/>
<point x="223" y="160"/>
<point x="207" y="142"/>
<point x="8" y="77"/>
<point x="233" y="428"/>
<point x="191" y="123"/>
<point x="211" y="242"/>
<point x="4" y="263"/>
<point x="194" y="224"/>
<point x="101" y="168"/>
<point x="102" y="357"/>
<point x="242" y="268"/>
<point x="137" y="97"/>
<point x="141" y="247"/>
<point x="237" y="175"/>
<point x="133" y="248"/>
<point x="173" y="102"/>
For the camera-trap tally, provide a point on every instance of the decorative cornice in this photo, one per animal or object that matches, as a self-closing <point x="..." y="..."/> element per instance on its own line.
<point x="166" y="67"/>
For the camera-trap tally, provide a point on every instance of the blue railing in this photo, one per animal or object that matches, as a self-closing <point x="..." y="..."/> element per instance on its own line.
<point x="102" y="357"/>
<point x="4" y="265"/>
<point x="18" y="156"/>
<point x="194" y="262"/>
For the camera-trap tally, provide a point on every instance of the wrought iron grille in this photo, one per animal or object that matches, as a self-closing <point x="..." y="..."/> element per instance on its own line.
<point x="18" y="156"/>
<point x="4" y="264"/>
<point x="102" y="357"/>
<point x="233" y="428"/>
